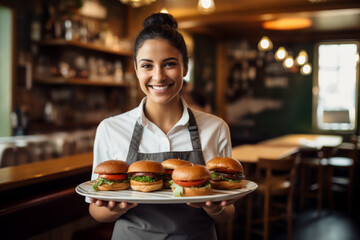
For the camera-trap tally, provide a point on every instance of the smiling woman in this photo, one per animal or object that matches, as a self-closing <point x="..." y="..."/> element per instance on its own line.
<point x="162" y="127"/>
<point x="160" y="71"/>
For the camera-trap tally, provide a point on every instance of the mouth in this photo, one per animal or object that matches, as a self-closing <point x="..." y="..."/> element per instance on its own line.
<point x="160" y="88"/>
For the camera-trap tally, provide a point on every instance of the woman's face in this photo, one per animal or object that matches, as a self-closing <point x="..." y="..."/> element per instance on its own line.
<point x="160" y="70"/>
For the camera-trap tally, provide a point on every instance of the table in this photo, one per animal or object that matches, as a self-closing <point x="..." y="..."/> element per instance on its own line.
<point x="252" y="153"/>
<point x="316" y="141"/>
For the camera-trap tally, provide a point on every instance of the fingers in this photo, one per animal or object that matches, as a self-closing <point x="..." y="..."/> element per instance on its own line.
<point x="208" y="204"/>
<point x="126" y="205"/>
<point x="112" y="205"/>
<point x="100" y="203"/>
<point x="196" y="205"/>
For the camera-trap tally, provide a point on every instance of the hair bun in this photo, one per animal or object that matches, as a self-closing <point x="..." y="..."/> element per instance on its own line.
<point x="160" y="19"/>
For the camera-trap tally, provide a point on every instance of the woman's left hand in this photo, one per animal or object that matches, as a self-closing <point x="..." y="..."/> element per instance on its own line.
<point x="212" y="207"/>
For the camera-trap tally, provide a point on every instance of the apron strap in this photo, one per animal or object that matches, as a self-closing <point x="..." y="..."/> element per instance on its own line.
<point x="194" y="131"/>
<point x="135" y="140"/>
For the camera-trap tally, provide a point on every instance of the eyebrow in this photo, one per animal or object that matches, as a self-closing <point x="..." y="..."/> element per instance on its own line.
<point x="165" y="60"/>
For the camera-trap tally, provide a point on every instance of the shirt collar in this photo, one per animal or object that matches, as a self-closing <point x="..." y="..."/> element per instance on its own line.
<point x="139" y="114"/>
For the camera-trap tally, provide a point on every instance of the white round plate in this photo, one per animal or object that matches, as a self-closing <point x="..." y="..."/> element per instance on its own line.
<point x="162" y="196"/>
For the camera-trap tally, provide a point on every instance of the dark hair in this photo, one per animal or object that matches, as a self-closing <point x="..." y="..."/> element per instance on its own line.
<point x="163" y="26"/>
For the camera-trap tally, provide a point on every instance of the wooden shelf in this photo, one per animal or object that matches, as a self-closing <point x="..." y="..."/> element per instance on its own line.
<point x="80" y="81"/>
<point x="90" y="46"/>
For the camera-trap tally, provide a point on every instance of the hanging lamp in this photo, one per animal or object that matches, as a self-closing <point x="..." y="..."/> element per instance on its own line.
<point x="137" y="3"/>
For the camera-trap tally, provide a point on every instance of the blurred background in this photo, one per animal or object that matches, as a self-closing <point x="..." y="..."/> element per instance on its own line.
<point x="267" y="67"/>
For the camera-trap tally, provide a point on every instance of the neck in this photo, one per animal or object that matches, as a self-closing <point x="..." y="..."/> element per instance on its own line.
<point x="165" y="116"/>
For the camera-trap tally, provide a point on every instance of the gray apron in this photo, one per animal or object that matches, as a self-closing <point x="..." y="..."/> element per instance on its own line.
<point x="165" y="221"/>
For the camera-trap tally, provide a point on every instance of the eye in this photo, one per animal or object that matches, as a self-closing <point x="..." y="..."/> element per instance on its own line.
<point x="170" y="64"/>
<point x="146" y="65"/>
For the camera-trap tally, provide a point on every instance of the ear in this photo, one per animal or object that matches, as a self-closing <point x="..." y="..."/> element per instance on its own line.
<point x="135" y="67"/>
<point x="185" y="71"/>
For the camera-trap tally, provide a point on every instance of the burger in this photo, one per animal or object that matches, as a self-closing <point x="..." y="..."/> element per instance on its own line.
<point x="112" y="176"/>
<point x="191" y="180"/>
<point x="226" y="173"/>
<point x="146" y="175"/>
<point x="169" y="166"/>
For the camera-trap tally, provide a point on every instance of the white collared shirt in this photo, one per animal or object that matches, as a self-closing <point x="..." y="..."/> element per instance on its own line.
<point x="113" y="136"/>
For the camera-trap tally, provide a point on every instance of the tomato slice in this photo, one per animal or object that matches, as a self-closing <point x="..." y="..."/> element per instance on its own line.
<point x="169" y="171"/>
<point x="114" y="176"/>
<point x="189" y="183"/>
<point x="224" y="170"/>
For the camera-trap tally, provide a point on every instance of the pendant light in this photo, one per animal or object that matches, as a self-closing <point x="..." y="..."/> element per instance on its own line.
<point x="164" y="10"/>
<point x="206" y="6"/>
<point x="137" y="3"/>
<point x="288" y="62"/>
<point x="281" y="54"/>
<point x="302" y="58"/>
<point x="265" y="44"/>
<point x="306" y="69"/>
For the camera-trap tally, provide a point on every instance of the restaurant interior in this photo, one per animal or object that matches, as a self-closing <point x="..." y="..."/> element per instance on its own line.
<point x="284" y="75"/>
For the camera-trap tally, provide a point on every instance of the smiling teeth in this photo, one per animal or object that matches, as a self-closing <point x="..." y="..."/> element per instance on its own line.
<point x="160" y="88"/>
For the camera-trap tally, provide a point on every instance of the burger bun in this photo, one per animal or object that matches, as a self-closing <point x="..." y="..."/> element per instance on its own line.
<point x="112" y="167"/>
<point x="146" y="186"/>
<point x="225" y="163"/>
<point x="149" y="166"/>
<point x="190" y="191"/>
<point x="226" y="185"/>
<point x="114" y="186"/>
<point x="191" y="172"/>
<point x="174" y="163"/>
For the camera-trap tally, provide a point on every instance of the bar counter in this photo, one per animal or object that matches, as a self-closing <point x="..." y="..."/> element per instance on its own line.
<point x="38" y="172"/>
<point x="40" y="196"/>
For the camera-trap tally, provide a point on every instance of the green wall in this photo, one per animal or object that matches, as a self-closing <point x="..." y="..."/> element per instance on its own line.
<point x="295" y="113"/>
<point x="5" y="70"/>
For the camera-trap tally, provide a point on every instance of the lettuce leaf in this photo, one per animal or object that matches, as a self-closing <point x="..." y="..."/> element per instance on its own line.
<point x="101" y="181"/>
<point x="213" y="175"/>
<point x="143" y="179"/>
<point x="178" y="190"/>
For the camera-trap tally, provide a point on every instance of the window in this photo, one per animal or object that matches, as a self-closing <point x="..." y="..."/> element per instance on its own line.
<point x="336" y="71"/>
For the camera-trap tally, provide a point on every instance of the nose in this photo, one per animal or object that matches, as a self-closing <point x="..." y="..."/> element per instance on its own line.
<point x="158" y="74"/>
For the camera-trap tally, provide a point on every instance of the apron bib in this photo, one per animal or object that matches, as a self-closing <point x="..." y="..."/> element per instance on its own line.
<point x="165" y="221"/>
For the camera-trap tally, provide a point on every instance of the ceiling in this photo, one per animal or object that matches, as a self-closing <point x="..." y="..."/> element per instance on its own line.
<point x="244" y="18"/>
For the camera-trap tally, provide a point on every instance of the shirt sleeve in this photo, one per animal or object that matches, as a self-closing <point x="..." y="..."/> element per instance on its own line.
<point x="102" y="147"/>
<point x="100" y="150"/>
<point x="225" y="148"/>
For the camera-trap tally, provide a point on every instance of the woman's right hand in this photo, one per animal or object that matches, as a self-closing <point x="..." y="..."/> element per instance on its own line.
<point x="108" y="211"/>
<point x="113" y="206"/>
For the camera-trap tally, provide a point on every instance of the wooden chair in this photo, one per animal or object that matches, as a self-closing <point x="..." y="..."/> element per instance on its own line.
<point x="7" y="156"/>
<point x="341" y="172"/>
<point x="312" y="170"/>
<point x="276" y="183"/>
<point x="23" y="155"/>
